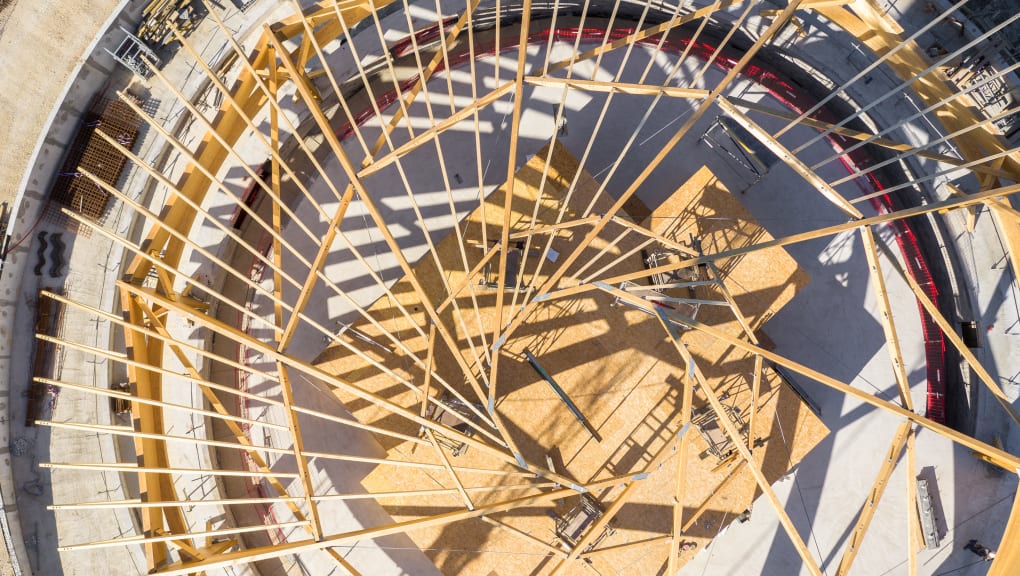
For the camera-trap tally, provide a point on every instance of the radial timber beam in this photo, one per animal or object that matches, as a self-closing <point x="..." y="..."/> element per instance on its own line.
<point x="874" y="497"/>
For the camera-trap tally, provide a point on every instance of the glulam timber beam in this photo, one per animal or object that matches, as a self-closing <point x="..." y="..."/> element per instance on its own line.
<point x="700" y="111"/>
<point x="948" y="204"/>
<point x="617" y="87"/>
<point x="950" y="333"/>
<point x="713" y="399"/>
<point x="858" y="135"/>
<point x="991" y="454"/>
<point x="267" y="552"/>
<point x="867" y="512"/>
<point x="892" y="340"/>
<point x="788" y="158"/>
<point x="686" y="405"/>
<point x="637" y="37"/>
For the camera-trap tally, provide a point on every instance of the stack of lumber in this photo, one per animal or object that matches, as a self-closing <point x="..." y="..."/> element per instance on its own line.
<point x="160" y="16"/>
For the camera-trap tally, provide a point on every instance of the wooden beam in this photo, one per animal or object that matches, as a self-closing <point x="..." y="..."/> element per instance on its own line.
<point x="274" y="160"/>
<point x="271" y="353"/>
<point x="430" y="357"/>
<point x="950" y="333"/>
<point x="294" y="429"/>
<point x="419" y="494"/>
<point x="148" y="418"/>
<point x="148" y="333"/>
<point x="892" y="341"/>
<point x="466" y="281"/>
<point x="952" y="204"/>
<point x="172" y="537"/>
<point x="728" y="296"/>
<point x="508" y="197"/>
<point x="595" y="529"/>
<point x="130" y="433"/>
<point x="788" y="158"/>
<point x="276" y="551"/>
<point x="438" y="58"/>
<point x="913" y="522"/>
<point x="111" y="393"/>
<point x="195" y="183"/>
<point x="524" y="536"/>
<point x="867" y="23"/>
<point x="236" y="431"/>
<point x="552" y="228"/>
<point x="992" y="454"/>
<point x="617" y="87"/>
<point x="327" y="241"/>
<point x="449" y="469"/>
<point x="214" y="221"/>
<point x="759" y="368"/>
<point x="449" y="339"/>
<point x="703" y="109"/>
<point x="874" y="497"/>
<point x="656" y="541"/>
<point x="126" y="467"/>
<point x="137" y="504"/>
<point x="681" y="469"/>
<point x="857" y="135"/>
<point x="241" y="162"/>
<point x="442" y="126"/>
<point x="640" y="35"/>
<point x="734" y="435"/>
<point x="970" y="220"/>
<point x="733" y="475"/>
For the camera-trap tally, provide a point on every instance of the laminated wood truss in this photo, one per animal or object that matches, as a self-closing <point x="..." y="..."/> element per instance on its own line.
<point x="283" y="85"/>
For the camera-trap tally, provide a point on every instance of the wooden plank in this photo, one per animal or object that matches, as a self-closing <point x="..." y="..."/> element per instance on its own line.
<point x="681" y="471"/>
<point x="525" y="536"/>
<point x="266" y="552"/>
<point x="640" y="35"/>
<point x="607" y="374"/>
<point x="952" y="204"/>
<point x="703" y="109"/>
<point x="874" y="497"/>
<point x="993" y="455"/>
<point x="734" y="435"/>
<point x="617" y="87"/>
<point x="950" y="333"/>
<point x="857" y="135"/>
<point x="788" y="158"/>
<point x="892" y="341"/>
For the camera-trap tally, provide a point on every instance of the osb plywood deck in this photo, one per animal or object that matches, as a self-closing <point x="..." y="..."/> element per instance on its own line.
<point x="616" y="365"/>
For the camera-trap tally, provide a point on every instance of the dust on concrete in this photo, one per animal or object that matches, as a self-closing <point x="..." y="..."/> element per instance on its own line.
<point x="41" y="41"/>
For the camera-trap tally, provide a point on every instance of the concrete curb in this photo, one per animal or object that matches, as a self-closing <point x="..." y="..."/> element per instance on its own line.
<point x="27" y="208"/>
